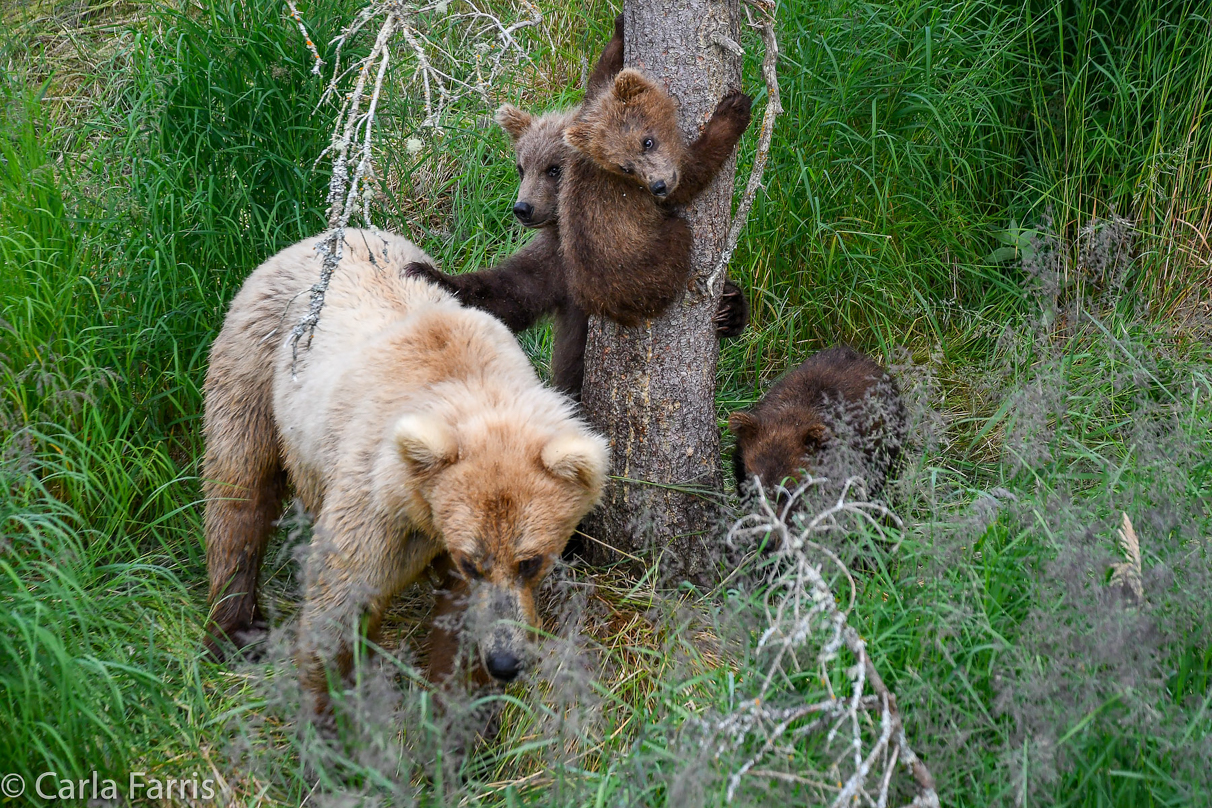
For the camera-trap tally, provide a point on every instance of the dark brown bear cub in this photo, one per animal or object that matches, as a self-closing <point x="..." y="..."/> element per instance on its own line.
<point x="625" y="247"/>
<point x="838" y="415"/>
<point x="529" y="284"/>
<point x="532" y="282"/>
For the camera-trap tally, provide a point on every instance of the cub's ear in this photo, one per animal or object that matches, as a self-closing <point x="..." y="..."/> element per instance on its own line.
<point x="425" y="441"/>
<point x="630" y="84"/>
<point x="579" y="135"/>
<point x="816" y="435"/>
<point x="578" y="458"/>
<point x="743" y="424"/>
<point x="513" y="120"/>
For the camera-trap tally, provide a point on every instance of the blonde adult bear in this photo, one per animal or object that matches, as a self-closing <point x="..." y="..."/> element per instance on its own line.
<point x="417" y="435"/>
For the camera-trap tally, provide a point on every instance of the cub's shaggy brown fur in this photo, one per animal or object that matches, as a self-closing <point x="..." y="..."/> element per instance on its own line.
<point x="625" y="248"/>
<point x="415" y="432"/>
<point x="837" y="414"/>
<point x="532" y="282"/>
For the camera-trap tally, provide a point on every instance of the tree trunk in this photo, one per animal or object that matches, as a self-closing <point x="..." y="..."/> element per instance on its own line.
<point x="651" y="389"/>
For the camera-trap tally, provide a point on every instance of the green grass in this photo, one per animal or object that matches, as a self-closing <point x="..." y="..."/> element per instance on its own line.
<point x="921" y="139"/>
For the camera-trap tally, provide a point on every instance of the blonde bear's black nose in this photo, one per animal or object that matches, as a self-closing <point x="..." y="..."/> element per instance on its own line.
<point x="503" y="666"/>
<point x="659" y="188"/>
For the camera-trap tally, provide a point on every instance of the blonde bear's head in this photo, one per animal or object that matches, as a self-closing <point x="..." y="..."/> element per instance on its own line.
<point x="505" y="495"/>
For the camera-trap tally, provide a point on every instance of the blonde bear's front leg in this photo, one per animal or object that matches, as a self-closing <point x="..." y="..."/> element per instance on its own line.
<point x="353" y="572"/>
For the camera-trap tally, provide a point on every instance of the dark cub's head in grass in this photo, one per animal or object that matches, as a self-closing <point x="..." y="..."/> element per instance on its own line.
<point x="838" y="415"/>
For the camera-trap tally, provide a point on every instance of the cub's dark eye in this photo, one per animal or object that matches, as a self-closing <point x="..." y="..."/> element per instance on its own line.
<point x="648" y="144"/>
<point x="530" y="567"/>
<point x="553" y="172"/>
<point x="469" y="570"/>
<point x="521" y="173"/>
<point x="627" y="169"/>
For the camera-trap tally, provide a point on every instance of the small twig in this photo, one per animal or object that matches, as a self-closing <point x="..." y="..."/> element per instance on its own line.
<point x="311" y="46"/>
<point x="728" y="43"/>
<point x="426" y="70"/>
<point x="793" y="778"/>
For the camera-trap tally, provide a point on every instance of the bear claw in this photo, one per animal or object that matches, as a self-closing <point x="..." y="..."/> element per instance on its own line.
<point x="429" y="273"/>
<point x="732" y="315"/>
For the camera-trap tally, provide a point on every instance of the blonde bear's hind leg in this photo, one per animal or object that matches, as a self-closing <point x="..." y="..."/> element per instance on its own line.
<point x="244" y="485"/>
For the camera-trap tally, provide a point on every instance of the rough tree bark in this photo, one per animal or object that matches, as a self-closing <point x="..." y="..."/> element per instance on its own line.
<point x="651" y="389"/>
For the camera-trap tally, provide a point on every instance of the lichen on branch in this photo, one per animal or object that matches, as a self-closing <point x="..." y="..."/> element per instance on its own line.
<point x="469" y="57"/>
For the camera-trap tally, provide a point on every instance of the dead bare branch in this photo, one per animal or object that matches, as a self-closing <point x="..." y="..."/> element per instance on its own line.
<point x="803" y="613"/>
<point x="447" y="73"/>
<point x="765" y="15"/>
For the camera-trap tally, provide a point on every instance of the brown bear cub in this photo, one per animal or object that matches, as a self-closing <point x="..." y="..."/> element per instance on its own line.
<point x="531" y="283"/>
<point x="625" y="247"/>
<point x="417" y="434"/>
<point x="839" y="414"/>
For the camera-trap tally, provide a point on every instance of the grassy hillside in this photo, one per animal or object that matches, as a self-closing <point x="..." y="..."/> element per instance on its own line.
<point x="1007" y="201"/>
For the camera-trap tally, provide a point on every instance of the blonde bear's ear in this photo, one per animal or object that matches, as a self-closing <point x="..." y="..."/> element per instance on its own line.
<point x="578" y="458"/>
<point x="513" y="120"/>
<point x="630" y="84"/>
<point x="579" y="135"/>
<point x="425" y="441"/>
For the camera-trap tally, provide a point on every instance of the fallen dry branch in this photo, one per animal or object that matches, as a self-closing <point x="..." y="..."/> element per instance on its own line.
<point x="804" y="617"/>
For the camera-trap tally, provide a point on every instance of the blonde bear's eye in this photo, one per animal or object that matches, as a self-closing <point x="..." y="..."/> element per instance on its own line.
<point x="648" y="144"/>
<point x="530" y="567"/>
<point x="469" y="570"/>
